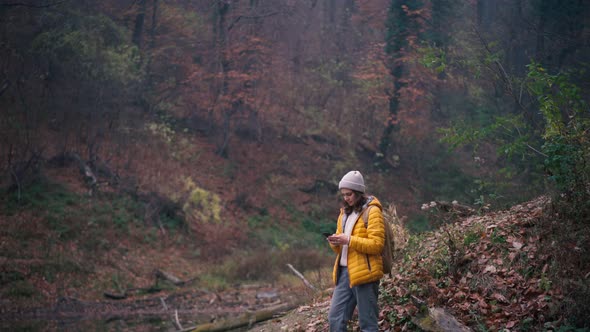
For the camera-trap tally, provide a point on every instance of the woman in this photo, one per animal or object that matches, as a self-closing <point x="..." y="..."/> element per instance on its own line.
<point x="358" y="267"/>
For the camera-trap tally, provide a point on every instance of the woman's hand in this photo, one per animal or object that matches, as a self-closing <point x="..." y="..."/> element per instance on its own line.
<point x="339" y="240"/>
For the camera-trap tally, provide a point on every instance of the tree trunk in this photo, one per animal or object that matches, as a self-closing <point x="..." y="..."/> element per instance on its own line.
<point x="146" y="100"/>
<point x="540" y="46"/>
<point x="398" y="31"/>
<point x="228" y="111"/>
<point x="139" y="23"/>
<point x="151" y="46"/>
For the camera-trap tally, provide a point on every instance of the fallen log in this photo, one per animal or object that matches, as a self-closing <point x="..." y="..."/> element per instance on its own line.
<point x="246" y="319"/>
<point x="167" y="276"/>
<point x="114" y="296"/>
<point x="85" y="170"/>
<point x="159" y="275"/>
<point x="163" y="275"/>
<point x="128" y="292"/>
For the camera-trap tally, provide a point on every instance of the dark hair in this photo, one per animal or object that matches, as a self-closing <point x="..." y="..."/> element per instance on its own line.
<point x="358" y="206"/>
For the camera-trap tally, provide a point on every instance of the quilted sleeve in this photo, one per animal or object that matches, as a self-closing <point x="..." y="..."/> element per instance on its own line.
<point x="338" y="249"/>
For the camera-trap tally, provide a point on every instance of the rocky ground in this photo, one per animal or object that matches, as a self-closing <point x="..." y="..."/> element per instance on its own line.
<point x="311" y="317"/>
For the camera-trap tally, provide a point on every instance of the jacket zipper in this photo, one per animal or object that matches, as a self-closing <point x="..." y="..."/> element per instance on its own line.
<point x="368" y="262"/>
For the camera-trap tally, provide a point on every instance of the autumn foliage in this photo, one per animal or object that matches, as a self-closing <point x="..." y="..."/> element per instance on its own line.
<point x="195" y="129"/>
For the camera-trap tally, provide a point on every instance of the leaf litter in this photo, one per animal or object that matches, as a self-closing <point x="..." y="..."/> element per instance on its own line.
<point x="498" y="282"/>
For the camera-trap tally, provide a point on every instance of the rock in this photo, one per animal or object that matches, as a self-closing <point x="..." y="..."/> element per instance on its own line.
<point x="267" y="295"/>
<point x="438" y="320"/>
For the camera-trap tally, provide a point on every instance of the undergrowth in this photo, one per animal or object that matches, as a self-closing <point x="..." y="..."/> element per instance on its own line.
<point x="62" y="237"/>
<point x="74" y="239"/>
<point x="269" y="265"/>
<point x="490" y="271"/>
<point x="565" y="231"/>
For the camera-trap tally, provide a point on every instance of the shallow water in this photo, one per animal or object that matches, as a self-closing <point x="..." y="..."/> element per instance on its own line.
<point x="140" y="323"/>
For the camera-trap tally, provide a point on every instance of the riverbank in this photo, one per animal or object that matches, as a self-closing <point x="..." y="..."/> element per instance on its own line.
<point x="164" y="311"/>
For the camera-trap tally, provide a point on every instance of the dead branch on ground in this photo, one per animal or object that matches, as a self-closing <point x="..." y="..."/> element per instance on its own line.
<point x="159" y="275"/>
<point x="297" y="273"/>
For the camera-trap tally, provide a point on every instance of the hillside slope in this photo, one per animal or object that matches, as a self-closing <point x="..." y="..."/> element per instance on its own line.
<point x="502" y="271"/>
<point x="156" y="195"/>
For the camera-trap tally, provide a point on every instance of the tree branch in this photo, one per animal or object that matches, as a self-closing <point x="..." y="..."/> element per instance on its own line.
<point x="297" y="273"/>
<point x="237" y="19"/>
<point x="30" y="5"/>
<point x="4" y="87"/>
<point x="501" y="72"/>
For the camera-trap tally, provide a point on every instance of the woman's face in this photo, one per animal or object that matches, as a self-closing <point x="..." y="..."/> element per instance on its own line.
<point x="348" y="196"/>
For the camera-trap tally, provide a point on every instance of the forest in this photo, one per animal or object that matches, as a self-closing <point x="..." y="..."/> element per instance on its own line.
<point x="162" y="156"/>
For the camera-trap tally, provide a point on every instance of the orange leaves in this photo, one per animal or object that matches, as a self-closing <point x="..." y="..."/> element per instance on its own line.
<point x="371" y="13"/>
<point x="392" y="119"/>
<point x="413" y="93"/>
<point x="372" y="83"/>
<point x="422" y="12"/>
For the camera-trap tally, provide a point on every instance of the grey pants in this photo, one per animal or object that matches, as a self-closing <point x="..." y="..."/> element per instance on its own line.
<point x="345" y="299"/>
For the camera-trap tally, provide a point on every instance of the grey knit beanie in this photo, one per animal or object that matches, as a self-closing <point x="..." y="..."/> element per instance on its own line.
<point x="353" y="180"/>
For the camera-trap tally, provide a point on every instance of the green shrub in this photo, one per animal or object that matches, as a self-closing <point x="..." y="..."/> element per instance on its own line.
<point x="566" y="134"/>
<point x="201" y="205"/>
<point x="53" y="202"/>
<point x="471" y="237"/>
<point x="418" y="223"/>
<point x="42" y="195"/>
<point x="94" y="48"/>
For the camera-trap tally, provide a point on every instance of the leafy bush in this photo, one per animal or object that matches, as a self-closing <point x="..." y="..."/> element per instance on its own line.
<point x="558" y="151"/>
<point x="52" y="201"/>
<point x="93" y="48"/>
<point x="41" y="196"/>
<point x="202" y="205"/>
<point x="566" y="134"/>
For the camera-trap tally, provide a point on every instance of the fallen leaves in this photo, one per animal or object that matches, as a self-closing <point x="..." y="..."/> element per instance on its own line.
<point x="500" y="298"/>
<point x="497" y="280"/>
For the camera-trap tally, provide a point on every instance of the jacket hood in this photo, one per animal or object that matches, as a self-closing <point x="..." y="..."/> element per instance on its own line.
<point x="372" y="201"/>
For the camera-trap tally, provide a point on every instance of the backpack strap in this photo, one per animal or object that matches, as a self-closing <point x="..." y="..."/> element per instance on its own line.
<point x="366" y="216"/>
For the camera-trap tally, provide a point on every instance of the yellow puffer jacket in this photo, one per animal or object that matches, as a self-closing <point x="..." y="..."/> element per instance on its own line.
<point x="364" y="250"/>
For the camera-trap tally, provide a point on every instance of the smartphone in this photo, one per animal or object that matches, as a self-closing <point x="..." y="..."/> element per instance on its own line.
<point x="325" y="234"/>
